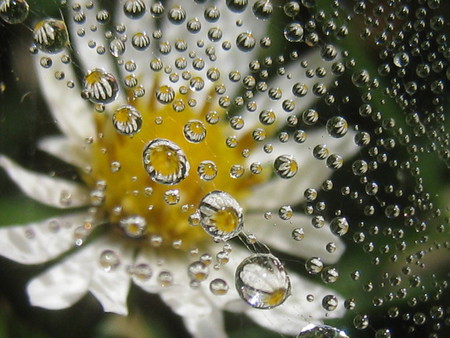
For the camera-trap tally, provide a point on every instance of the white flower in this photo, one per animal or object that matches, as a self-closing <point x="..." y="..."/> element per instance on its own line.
<point x="156" y="244"/>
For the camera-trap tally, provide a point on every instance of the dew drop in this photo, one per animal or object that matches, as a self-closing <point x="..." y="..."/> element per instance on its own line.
<point x="109" y="260"/>
<point x="218" y="287"/>
<point x="262" y="281"/>
<point x="194" y="131"/>
<point x="198" y="271"/>
<point x="323" y="331"/>
<point x="134" y="226"/>
<point x="165" y="162"/>
<point x="141" y="271"/>
<point x="339" y="226"/>
<point x="172" y="197"/>
<point x="177" y="15"/>
<point x="207" y="170"/>
<point x="293" y="32"/>
<point x="14" y="11"/>
<point x="329" y="302"/>
<point x="140" y="41"/>
<point x="100" y="86"/>
<point x="285" y="166"/>
<point x="221" y="216"/>
<point x="51" y="35"/>
<point x="245" y="41"/>
<point x="165" y="94"/>
<point x="314" y="265"/>
<point x="237" y="5"/>
<point x="298" y="234"/>
<point x="134" y="9"/>
<point x="263" y="9"/>
<point x="337" y="126"/>
<point x="127" y="120"/>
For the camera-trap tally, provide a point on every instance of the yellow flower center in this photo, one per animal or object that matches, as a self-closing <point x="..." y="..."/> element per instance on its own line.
<point x="151" y="183"/>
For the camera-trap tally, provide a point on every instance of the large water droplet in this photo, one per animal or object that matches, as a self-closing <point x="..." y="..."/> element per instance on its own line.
<point x="165" y="162"/>
<point x="51" y="35"/>
<point x="14" y="11"/>
<point x="100" y="86"/>
<point x="127" y="120"/>
<point x="262" y="281"/>
<point x="321" y="331"/>
<point x="221" y="216"/>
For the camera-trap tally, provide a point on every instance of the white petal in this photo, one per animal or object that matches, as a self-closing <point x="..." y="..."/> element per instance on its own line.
<point x="210" y="326"/>
<point x="296" y="312"/>
<point x="39" y="242"/>
<point x="311" y="172"/>
<point x="54" y="192"/>
<point x="111" y="287"/>
<point x="72" y="114"/>
<point x="74" y="153"/>
<point x="278" y="234"/>
<point x="65" y="283"/>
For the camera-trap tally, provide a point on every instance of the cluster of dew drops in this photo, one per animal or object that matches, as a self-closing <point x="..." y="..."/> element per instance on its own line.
<point x="393" y="220"/>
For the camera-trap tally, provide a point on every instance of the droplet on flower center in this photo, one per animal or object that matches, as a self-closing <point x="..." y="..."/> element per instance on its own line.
<point x="221" y="216"/>
<point x="165" y="162"/>
<point x="134" y="226"/>
<point x="127" y="120"/>
<point x="262" y="281"/>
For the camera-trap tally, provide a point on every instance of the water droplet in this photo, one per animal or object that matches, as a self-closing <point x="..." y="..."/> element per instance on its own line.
<point x="330" y="275"/>
<point x="165" y="162"/>
<point x="134" y="9"/>
<point x="134" y="226"/>
<point x="298" y="234"/>
<point x="291" y="8"/>
<point x="245" y="41"/>
<point x="401" y="59"/>
<point x="140" y="41"/>
<point x="218" y="287"/>
<point x="237" y="5"/>
<point x="339" y="226"/>
<point x="337" y="126"/>
<point x="262" y="281"/>
<point x="293" y="32"/>
<point x="285" y="166"/>
<point x="109" y="260"/>
<point x="100" y="86"/>
<point x="263" y="9"/>
<point x="194" y="131"/>
<point x="207" y="170"/>
<point x="172" y="197"/>
<point x="310" y="116"/>
<point x="198" y="271"/>
<point x="314" y="265"/>
<point x="322" y="331"/>
<point x="329" y="302"/>
<point x="177" y="15"/>
<point x="221" y="215"/>
<point x="165" y="94"/>
<point x="14" y="11"/>
<point x="165" y="278"/>
<point x="141" y="271"/>
<point x="51" y="35"/>
<point x="127" y="120"/>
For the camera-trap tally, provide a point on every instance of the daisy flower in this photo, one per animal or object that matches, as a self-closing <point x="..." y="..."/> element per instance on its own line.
<point x="193" y="157"/>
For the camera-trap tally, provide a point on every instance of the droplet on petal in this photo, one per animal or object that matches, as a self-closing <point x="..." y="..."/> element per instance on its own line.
<point x="127" y="120"/>
<point x="221" y="216"/>
<point x="100" y="86"/>
<point x="262" y="281"/>
<point x="109" y="260"/>
<point x="51" y="35"/>
<point x="198" y="271"/>
<point x="218" y="287"/>
<point x="207" y="170"/>
<point x="14" y="11"/>
<point x="134" y="9"/>
<point x="285" y="166"/>
<point x="165" y="162"/>
<point x="312" y="331"/>
<point x="293" y="32"/>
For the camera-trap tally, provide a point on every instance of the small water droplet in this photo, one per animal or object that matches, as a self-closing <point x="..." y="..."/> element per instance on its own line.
<point x="323" y="331"/>
<point x="314" y="265"/>
<point x="100" y="86"/>
<point x="262" y="281"/>
<point x="134" y="226"/>
<point x="218" y="287"/>
<point x="134" y="9"/>
<point x="207" y="170"/>
<point x="109" y="260"/>
<point x="221" y="215"/>
<point x="127" y="120"/>
<point x="285" y="166"/>
<point x="141" y="271"/>
<point x="165" y="162"/>
<point x="198" y="271"/>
